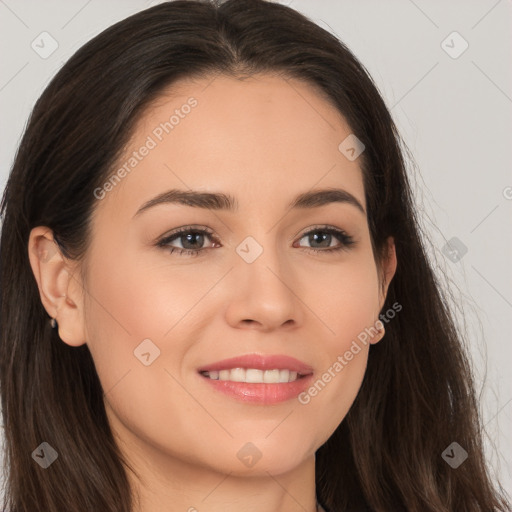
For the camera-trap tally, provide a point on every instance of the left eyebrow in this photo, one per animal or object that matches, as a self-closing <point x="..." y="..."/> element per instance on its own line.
<point x="220" y="201"/>
<point x="316" y="198"/>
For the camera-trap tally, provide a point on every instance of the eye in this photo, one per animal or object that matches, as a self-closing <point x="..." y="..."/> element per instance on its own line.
<point x="192" y="240"/>
<point x="324" y="235"/>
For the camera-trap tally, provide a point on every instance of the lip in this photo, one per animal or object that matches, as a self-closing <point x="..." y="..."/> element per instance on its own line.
<point x="260" y="362"/>
<point x="260" y="393"/>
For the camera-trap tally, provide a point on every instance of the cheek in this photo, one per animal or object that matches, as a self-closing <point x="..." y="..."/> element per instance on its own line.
<point x="125" y="307"/>
<point x="349" y="310"/>
<point x="128" y="305"/>
<point x="349" y="302"/>
<point x="134" y="299"/>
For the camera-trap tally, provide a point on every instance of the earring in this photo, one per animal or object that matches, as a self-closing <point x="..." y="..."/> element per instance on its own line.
<point x="53" y="321"/>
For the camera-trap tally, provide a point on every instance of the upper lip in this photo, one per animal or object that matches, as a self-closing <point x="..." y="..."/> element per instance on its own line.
<point x="260" y="362"/>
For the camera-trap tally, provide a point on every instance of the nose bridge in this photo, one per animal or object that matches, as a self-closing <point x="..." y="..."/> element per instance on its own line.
<point x="260" y="259"/>
<point x="264" y="291"/>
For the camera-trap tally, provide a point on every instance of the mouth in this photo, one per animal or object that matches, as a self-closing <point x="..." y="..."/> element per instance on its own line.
<point x="258" y="379"/>
<point x="254" y="375"/>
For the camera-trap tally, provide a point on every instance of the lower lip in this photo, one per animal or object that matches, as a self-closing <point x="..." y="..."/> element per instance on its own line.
<point x="261" y="393"/>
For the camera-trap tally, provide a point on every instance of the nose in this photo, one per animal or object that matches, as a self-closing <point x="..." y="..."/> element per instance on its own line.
<point x="266" y="294"/>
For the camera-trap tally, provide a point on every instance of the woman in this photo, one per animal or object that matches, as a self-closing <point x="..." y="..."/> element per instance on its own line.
<point x="168" y="341"/>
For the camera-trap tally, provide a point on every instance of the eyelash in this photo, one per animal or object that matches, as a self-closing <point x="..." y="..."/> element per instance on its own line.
<point x="346" y="240"/>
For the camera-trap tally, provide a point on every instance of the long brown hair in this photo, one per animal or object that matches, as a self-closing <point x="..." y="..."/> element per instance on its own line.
<point x="418" y="394"/>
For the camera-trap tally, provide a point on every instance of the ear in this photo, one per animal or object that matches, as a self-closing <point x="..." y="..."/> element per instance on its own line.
<point x="60" y="290"/>
<point x="387" y="270"/>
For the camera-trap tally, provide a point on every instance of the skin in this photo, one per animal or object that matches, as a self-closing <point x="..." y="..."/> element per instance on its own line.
<point x="262" y="140"/>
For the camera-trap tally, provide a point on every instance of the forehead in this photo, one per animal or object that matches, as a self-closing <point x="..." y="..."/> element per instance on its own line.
<point x="263" y="137"/>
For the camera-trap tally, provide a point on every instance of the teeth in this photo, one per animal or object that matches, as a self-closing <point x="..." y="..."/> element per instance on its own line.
<point x="237" y="375"/>
<point x="271" y="376"/>
<point x="254" y="376"/>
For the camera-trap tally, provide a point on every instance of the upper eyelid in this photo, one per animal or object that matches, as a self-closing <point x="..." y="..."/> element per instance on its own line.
<point x="188" y="229"/>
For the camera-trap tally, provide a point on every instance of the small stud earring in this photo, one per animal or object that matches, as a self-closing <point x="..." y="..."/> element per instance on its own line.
<point x="53" y="323"/>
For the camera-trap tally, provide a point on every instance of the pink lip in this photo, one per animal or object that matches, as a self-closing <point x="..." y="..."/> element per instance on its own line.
<point x="261" y="393"/>
<point x="260" y="362"/>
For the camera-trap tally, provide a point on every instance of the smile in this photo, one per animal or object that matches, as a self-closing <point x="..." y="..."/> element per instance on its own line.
<point x="254" y="376"/>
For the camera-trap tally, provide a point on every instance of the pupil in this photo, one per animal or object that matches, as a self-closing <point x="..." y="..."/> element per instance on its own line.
<point x="187" y="237"/>
<point x="323" y="235"/>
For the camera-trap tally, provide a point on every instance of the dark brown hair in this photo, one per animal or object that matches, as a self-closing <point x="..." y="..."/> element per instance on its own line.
<point x="417" y="395"/>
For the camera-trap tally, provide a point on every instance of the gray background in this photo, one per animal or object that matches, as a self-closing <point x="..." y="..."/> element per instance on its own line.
<point x="454" y="114"/>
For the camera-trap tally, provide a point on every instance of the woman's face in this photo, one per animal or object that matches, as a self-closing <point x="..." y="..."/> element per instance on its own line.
<point x="252" y="284"/>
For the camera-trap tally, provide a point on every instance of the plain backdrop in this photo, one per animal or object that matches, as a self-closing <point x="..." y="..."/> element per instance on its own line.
<point x="444" y="71"/>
